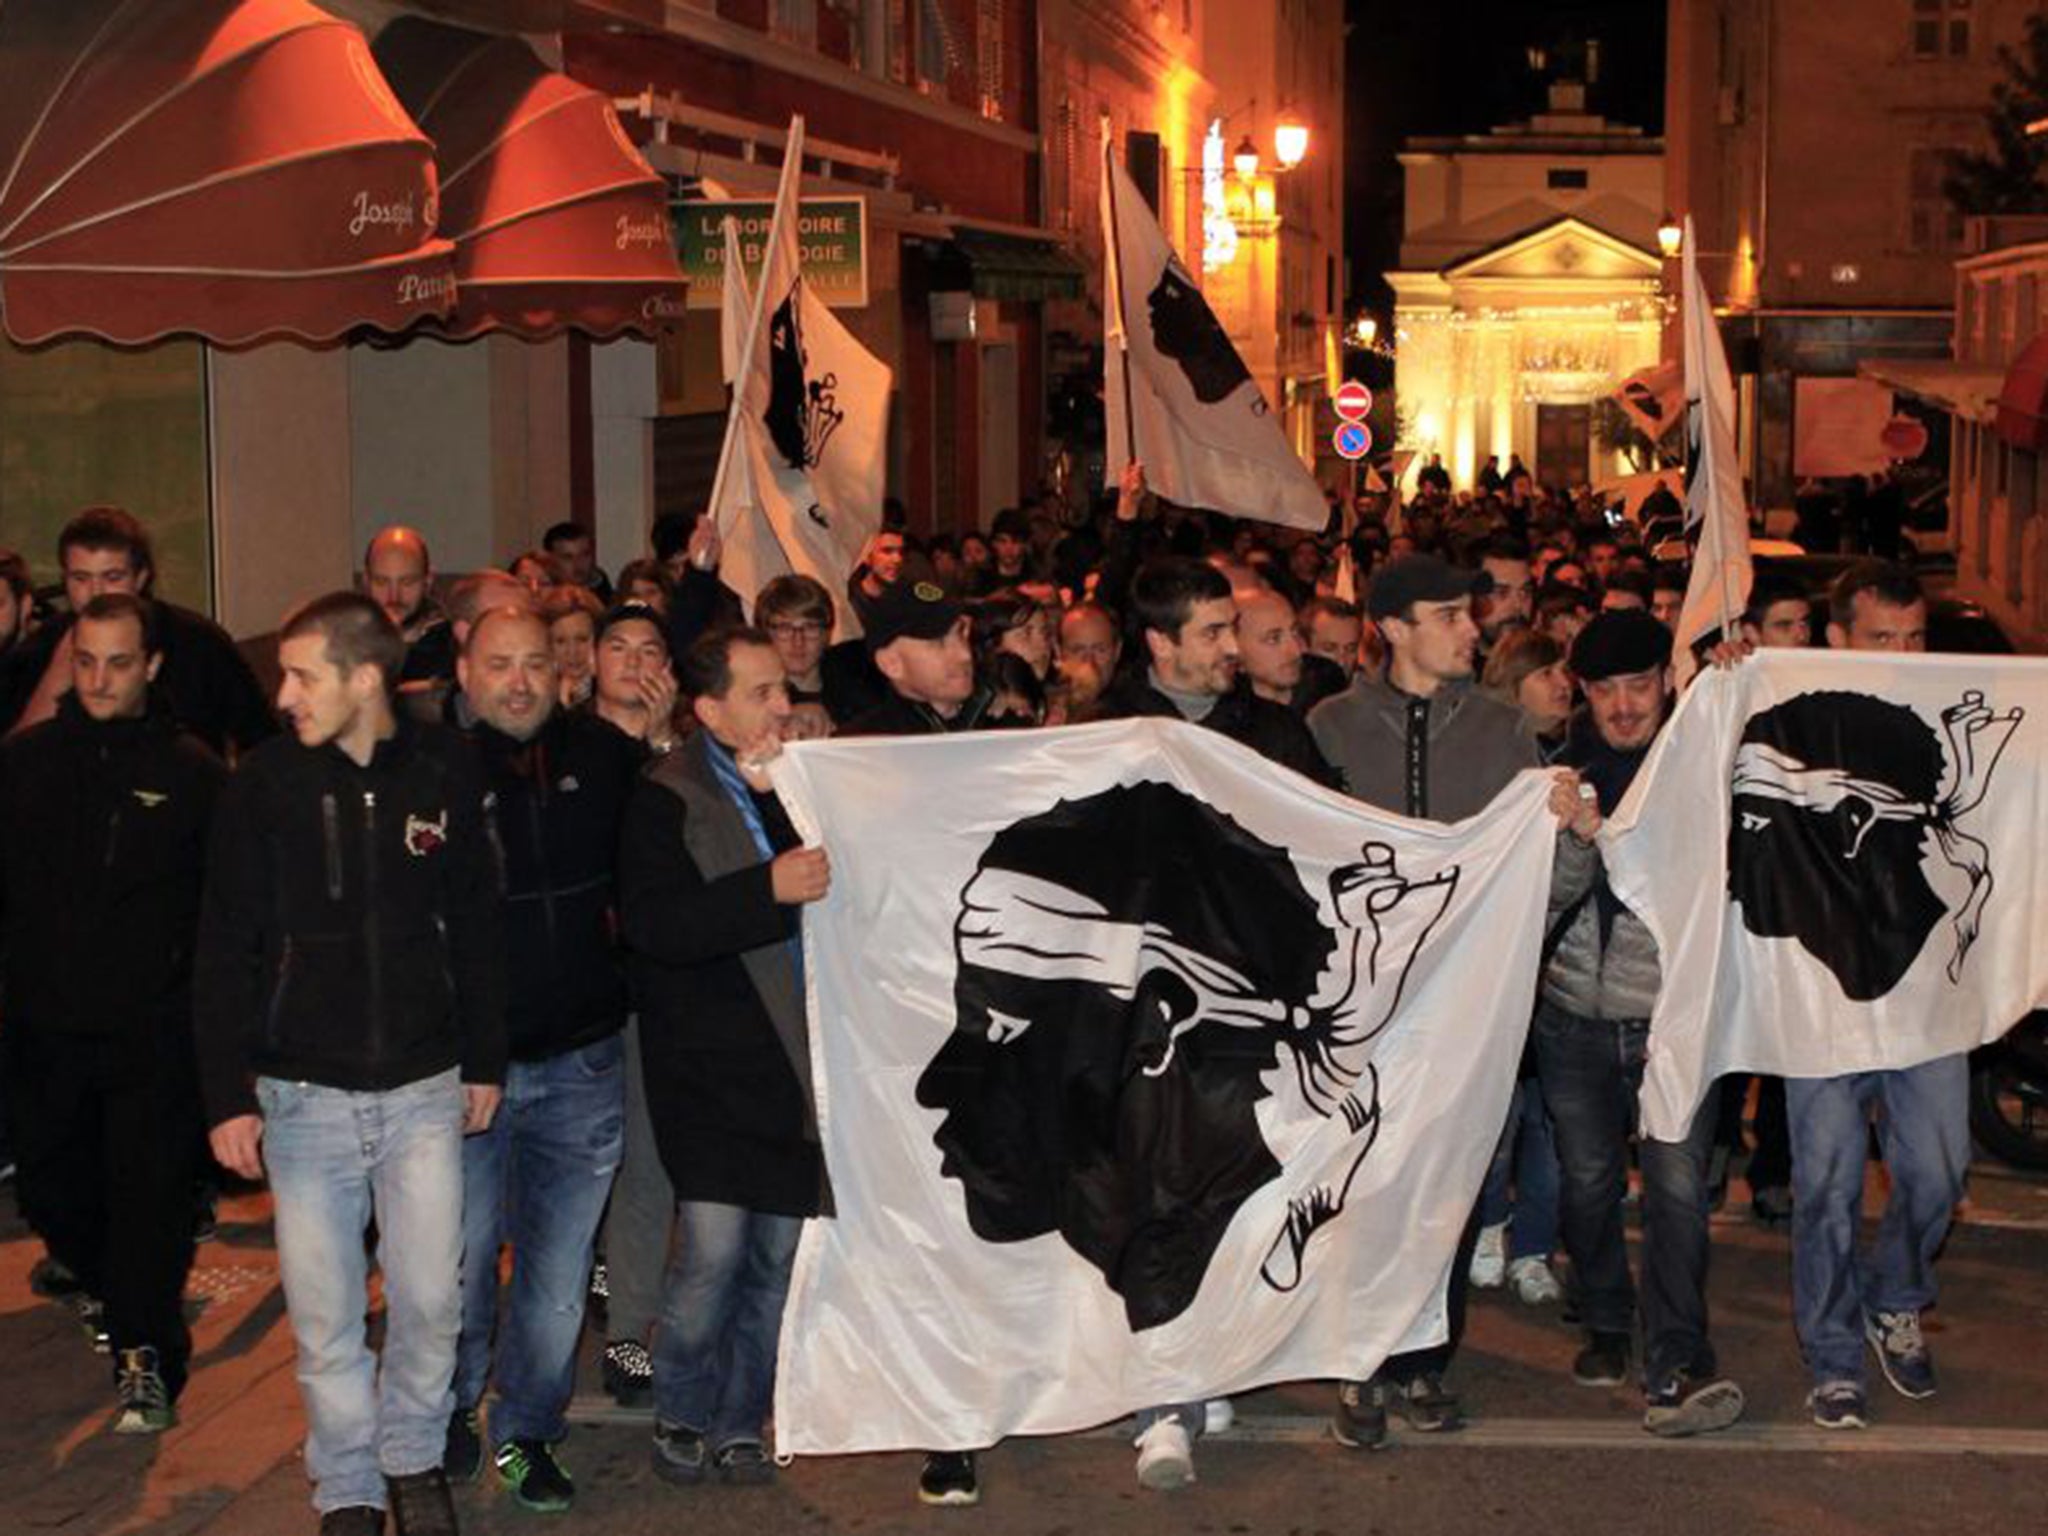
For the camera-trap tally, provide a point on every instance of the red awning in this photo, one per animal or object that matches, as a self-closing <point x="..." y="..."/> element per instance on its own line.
<point x="2023" y="402"/>
<point x="232" y="169"/>
<point x="558" y="223"/>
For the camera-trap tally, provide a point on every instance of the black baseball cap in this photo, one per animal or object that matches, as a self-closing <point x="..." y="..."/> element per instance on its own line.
<point x="912" y="608"/>
<point x="1400" y="584"/>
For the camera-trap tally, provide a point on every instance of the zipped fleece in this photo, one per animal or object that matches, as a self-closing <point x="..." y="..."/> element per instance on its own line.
<point x="103" y="828"/>
<point x="351" y="933"/>
<point x="553" y="808"/>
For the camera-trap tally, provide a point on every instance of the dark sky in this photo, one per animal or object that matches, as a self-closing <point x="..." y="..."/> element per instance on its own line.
<point x="1416" y="67"/>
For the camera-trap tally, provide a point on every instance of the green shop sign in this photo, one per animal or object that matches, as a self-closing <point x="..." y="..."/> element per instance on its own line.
<point x="833" y="232"/>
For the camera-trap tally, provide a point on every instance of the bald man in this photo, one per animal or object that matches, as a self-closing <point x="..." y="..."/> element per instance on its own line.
<point x="1269" y="646"/>
<point x="398" y="576"/>
<point x="537" y="1178"/>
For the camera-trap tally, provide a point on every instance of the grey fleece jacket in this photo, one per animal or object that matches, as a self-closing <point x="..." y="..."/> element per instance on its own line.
<point x="1617" y="980"/>
<point x="1472" y="747"/>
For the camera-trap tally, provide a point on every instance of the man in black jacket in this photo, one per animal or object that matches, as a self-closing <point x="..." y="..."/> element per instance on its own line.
<point x="555" y="783"/>
<point x="102" y="846"/>
<point x="203" y="684"/>
<point x="1186" y="619"/>
<point x="711" y="876"/>
<point x="350" y="1012"/>
<point x="918" y="638"/>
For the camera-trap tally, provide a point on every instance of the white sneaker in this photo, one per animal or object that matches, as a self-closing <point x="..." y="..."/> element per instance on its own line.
<point x="1490" y="1258"/>
<point x="1534" y="1282"/>
<point x="1165" y="1459"/>
<point x="1217" y="1415"/>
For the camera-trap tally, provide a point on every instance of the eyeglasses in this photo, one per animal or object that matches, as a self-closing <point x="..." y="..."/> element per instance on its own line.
<point x="796" y="629"/>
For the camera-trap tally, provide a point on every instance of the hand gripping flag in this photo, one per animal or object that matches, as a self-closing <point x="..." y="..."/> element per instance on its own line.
<point x="1146" y="1072"/>
<point x="1179" y="398"/>
<point x="1837" y="853"/>
<point x="809" y="416"/>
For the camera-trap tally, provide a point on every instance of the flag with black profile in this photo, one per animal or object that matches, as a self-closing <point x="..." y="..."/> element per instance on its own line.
<point x="1179" y="398"/>
<point x="802" y="470"/>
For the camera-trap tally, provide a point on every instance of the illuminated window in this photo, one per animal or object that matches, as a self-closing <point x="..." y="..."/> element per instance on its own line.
<point x="1941" y="29"/>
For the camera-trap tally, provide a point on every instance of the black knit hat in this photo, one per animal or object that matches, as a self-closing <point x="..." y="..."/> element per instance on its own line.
<point x="1620" y="643"/>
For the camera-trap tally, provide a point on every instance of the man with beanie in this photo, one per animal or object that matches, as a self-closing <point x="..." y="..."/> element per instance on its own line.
<point x="1418" y="738"/>
<point x="1600" y="981"/>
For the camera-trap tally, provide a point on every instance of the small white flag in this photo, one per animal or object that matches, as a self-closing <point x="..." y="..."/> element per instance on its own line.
<point x="809" y="422"/>
<point x="1179" y="398"/>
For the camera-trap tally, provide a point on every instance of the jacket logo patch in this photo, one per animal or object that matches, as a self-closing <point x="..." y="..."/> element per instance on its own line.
<point x="152" y="798"/>
<point x="422" y="836"/>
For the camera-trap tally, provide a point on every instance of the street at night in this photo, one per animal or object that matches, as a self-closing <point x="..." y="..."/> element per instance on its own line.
<point x="1541" y="1454"/>
<point x="1253" y="767"/>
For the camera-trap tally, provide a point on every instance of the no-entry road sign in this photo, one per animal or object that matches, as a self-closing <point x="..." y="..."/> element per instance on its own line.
<point x="1353" y="401"/>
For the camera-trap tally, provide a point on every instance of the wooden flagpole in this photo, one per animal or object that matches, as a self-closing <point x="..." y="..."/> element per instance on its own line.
<point x="1116" y="268"/>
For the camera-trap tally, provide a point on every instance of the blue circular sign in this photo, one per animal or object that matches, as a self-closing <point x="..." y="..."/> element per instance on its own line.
<point x="1352" y="439"/>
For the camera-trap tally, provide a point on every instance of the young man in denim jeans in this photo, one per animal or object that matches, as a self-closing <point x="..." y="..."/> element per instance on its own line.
<point x="350" y="1018"/>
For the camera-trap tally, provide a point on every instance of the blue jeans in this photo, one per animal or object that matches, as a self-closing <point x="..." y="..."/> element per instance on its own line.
<point x="537" y="1179"/>
<point x="721" y="1319"/>
<point x="336" y="1158"/>
<point x="1925" y="1133"/>
<point x="1521" y="1183"/>
<point x="1592" y="1076"/>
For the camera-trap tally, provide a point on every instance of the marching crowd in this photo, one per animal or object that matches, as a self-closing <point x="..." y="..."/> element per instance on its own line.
<point x="493" y="949"/>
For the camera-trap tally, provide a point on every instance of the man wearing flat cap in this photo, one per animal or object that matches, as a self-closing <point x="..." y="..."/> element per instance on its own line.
<point x="1599" y="985"/>
<point x="1416" y="737"/>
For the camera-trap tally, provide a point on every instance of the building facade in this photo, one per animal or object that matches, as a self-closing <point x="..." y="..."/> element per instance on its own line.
<point x="1529" y="288"/>
<point x="1810" y="156"/>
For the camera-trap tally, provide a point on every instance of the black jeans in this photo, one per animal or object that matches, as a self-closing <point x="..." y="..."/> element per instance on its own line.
<point x="107" y="1138"/>
<point x="1592" y="1074"/>
<point x="1405" y="1367"/>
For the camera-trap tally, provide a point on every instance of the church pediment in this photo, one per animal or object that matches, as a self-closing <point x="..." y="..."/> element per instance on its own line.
<point x="1566" y="247"/>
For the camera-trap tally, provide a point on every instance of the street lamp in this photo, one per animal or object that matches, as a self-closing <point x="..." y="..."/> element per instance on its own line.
<point x="1245" y="158"/>
<point x="1671" y="237"/>
<point x="1290" y="142"/>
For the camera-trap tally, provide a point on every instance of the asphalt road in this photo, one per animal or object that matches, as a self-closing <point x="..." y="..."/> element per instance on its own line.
<point x="1542" y="1455"/>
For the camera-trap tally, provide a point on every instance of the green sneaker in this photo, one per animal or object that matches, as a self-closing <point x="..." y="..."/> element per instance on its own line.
<point x="537" y="1481"/>
<point x="145" y="1400"/>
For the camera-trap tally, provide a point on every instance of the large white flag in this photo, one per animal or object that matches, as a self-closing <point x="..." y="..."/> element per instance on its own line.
<point x="1146" y="1072"/>
<point x="1841" y="856"/>
<point x="808" y="425"/>
<point x="1179" y="398"/>
<point x="1714" y="500"/>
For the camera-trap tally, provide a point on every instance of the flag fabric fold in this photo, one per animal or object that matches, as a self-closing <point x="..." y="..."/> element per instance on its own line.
<point x="1145" y="1073"/>
<point x="804" y="464"/>
<point x="1839" y="854"/>
<point x="1178" y="396"/>
<point x="1715" y="504"/>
